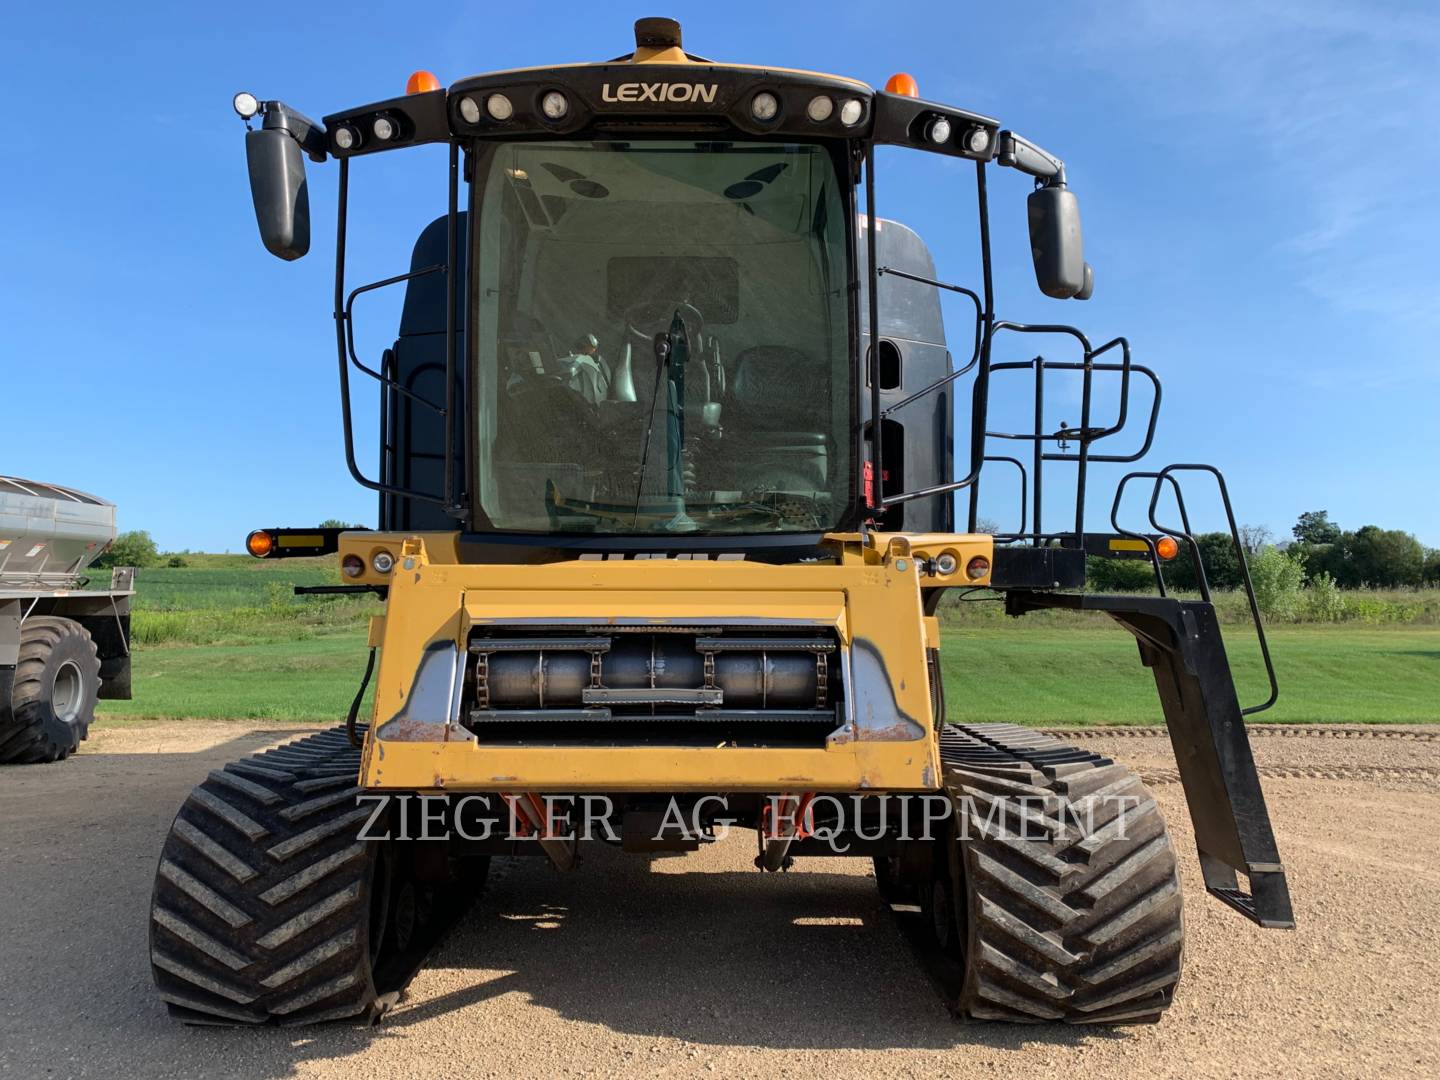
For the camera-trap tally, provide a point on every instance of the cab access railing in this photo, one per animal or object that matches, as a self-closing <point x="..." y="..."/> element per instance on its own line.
<point x="1052" y="446"/>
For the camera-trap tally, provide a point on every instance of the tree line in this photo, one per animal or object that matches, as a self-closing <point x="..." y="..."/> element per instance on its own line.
<point x="1365" y="557"/>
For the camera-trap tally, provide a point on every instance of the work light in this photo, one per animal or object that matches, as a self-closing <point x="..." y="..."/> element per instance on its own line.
<point x="764" y="106"/>
<point x="499" y="107"/>
<point x="246" y="104"/>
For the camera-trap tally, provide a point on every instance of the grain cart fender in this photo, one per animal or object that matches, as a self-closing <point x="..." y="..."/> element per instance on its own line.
<point x="1180" y="642"/>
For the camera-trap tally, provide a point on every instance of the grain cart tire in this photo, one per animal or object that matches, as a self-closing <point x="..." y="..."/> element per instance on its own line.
<point x="268" y="906"/>
<point x="52" y="701"/>
<point x="1069" y="903"/>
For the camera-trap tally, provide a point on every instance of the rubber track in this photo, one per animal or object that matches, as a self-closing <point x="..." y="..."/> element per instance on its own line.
<point x="26" y="741"/>
<point x="261" y="901"/>
<point x="1289" y="731"/>
<point x="1072" y="918"/>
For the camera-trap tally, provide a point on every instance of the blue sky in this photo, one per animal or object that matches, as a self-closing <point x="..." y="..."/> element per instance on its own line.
<point x="1257" y="183"/>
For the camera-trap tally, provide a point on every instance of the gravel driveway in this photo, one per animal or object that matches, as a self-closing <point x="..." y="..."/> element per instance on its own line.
<point x="698" y="964"/>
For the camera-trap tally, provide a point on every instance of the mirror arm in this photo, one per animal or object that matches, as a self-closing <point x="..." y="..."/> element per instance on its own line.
<point x="310" y="135"/>
<point x="1018" y="152"/>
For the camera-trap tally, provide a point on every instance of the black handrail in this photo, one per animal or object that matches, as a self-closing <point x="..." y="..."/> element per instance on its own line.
<point x="1023" y="497"/>
<point x="969" y="366"/>
<point x="1168" y="471"/>
<point x="345" y="346"/>
<point x="1161" y="477"/>
<point x="350" y="333"/>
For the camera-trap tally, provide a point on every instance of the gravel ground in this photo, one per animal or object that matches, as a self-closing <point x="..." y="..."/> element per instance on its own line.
<point x="698" y="964"/>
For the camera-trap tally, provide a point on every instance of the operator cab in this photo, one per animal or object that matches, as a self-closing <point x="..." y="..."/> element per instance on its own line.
<point x="650" y="310"/>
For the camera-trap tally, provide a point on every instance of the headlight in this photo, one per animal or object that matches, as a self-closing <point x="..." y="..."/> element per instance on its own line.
<point x="851" y="111"/>
<point x="977" y="140"/>
<point x="938" y="130"/>
<point x="347" y="136"/>
<point x="385" y="128"/>
<point x="469" y="110"/>
<point x="382" y="562"/>
<point x="555" y="105"/>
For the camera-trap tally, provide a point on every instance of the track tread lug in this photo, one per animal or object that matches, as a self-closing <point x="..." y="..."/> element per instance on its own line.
<point x="1079" y="918"/>
<point x="277" y="930"/>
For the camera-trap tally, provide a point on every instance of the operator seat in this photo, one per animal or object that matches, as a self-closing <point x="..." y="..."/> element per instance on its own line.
<point x="775" y="422"/>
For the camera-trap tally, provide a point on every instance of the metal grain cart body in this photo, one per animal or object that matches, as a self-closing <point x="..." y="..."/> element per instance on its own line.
<point x="62" y="645"/>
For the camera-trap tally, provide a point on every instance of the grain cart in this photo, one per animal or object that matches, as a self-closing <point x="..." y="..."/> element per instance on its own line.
<point x="666" y="511"/>
<point x="61" y="646"/>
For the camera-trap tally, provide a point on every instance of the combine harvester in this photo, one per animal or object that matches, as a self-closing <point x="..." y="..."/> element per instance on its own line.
<point x="61" y="646"/>
<point x="665" y="515"/>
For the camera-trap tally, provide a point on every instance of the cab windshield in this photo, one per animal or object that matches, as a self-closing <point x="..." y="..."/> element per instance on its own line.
<point x="663" y="338"/>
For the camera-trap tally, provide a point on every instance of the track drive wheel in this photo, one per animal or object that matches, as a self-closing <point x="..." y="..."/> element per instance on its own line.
<point x="56" y="684"/>
<point x="267" y="907"/>
<point x="1069" y="899"/>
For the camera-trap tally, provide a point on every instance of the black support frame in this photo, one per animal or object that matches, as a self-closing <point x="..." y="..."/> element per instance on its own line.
<point x="1180" y="643"/>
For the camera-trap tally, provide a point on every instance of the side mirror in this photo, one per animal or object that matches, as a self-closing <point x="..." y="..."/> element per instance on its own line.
<point x="1056" y="244"/>
<point x="277" y="186"/>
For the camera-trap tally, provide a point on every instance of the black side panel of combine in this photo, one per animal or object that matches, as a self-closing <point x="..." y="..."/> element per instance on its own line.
<point x="413" y="454"/>
<point x="919" y="441"/>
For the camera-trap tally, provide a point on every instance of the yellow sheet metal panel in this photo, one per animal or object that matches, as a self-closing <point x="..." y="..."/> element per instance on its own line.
<point x="439" y="547"/>
<point x="468" y="766"/>
<point x="875" y="609"/>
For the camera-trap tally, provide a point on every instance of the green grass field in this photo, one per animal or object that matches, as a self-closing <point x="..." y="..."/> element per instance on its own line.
<point x="1034" y="676"/>
<point x="225" y="638"/>
<point x="1093" y="675"/>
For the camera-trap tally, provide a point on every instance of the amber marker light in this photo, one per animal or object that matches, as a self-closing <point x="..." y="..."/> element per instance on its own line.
<point x="259" y="543"/>
<point x="422" y="82"/>
<point x="1167" y="548"/>
<point x="903" y="84"/>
